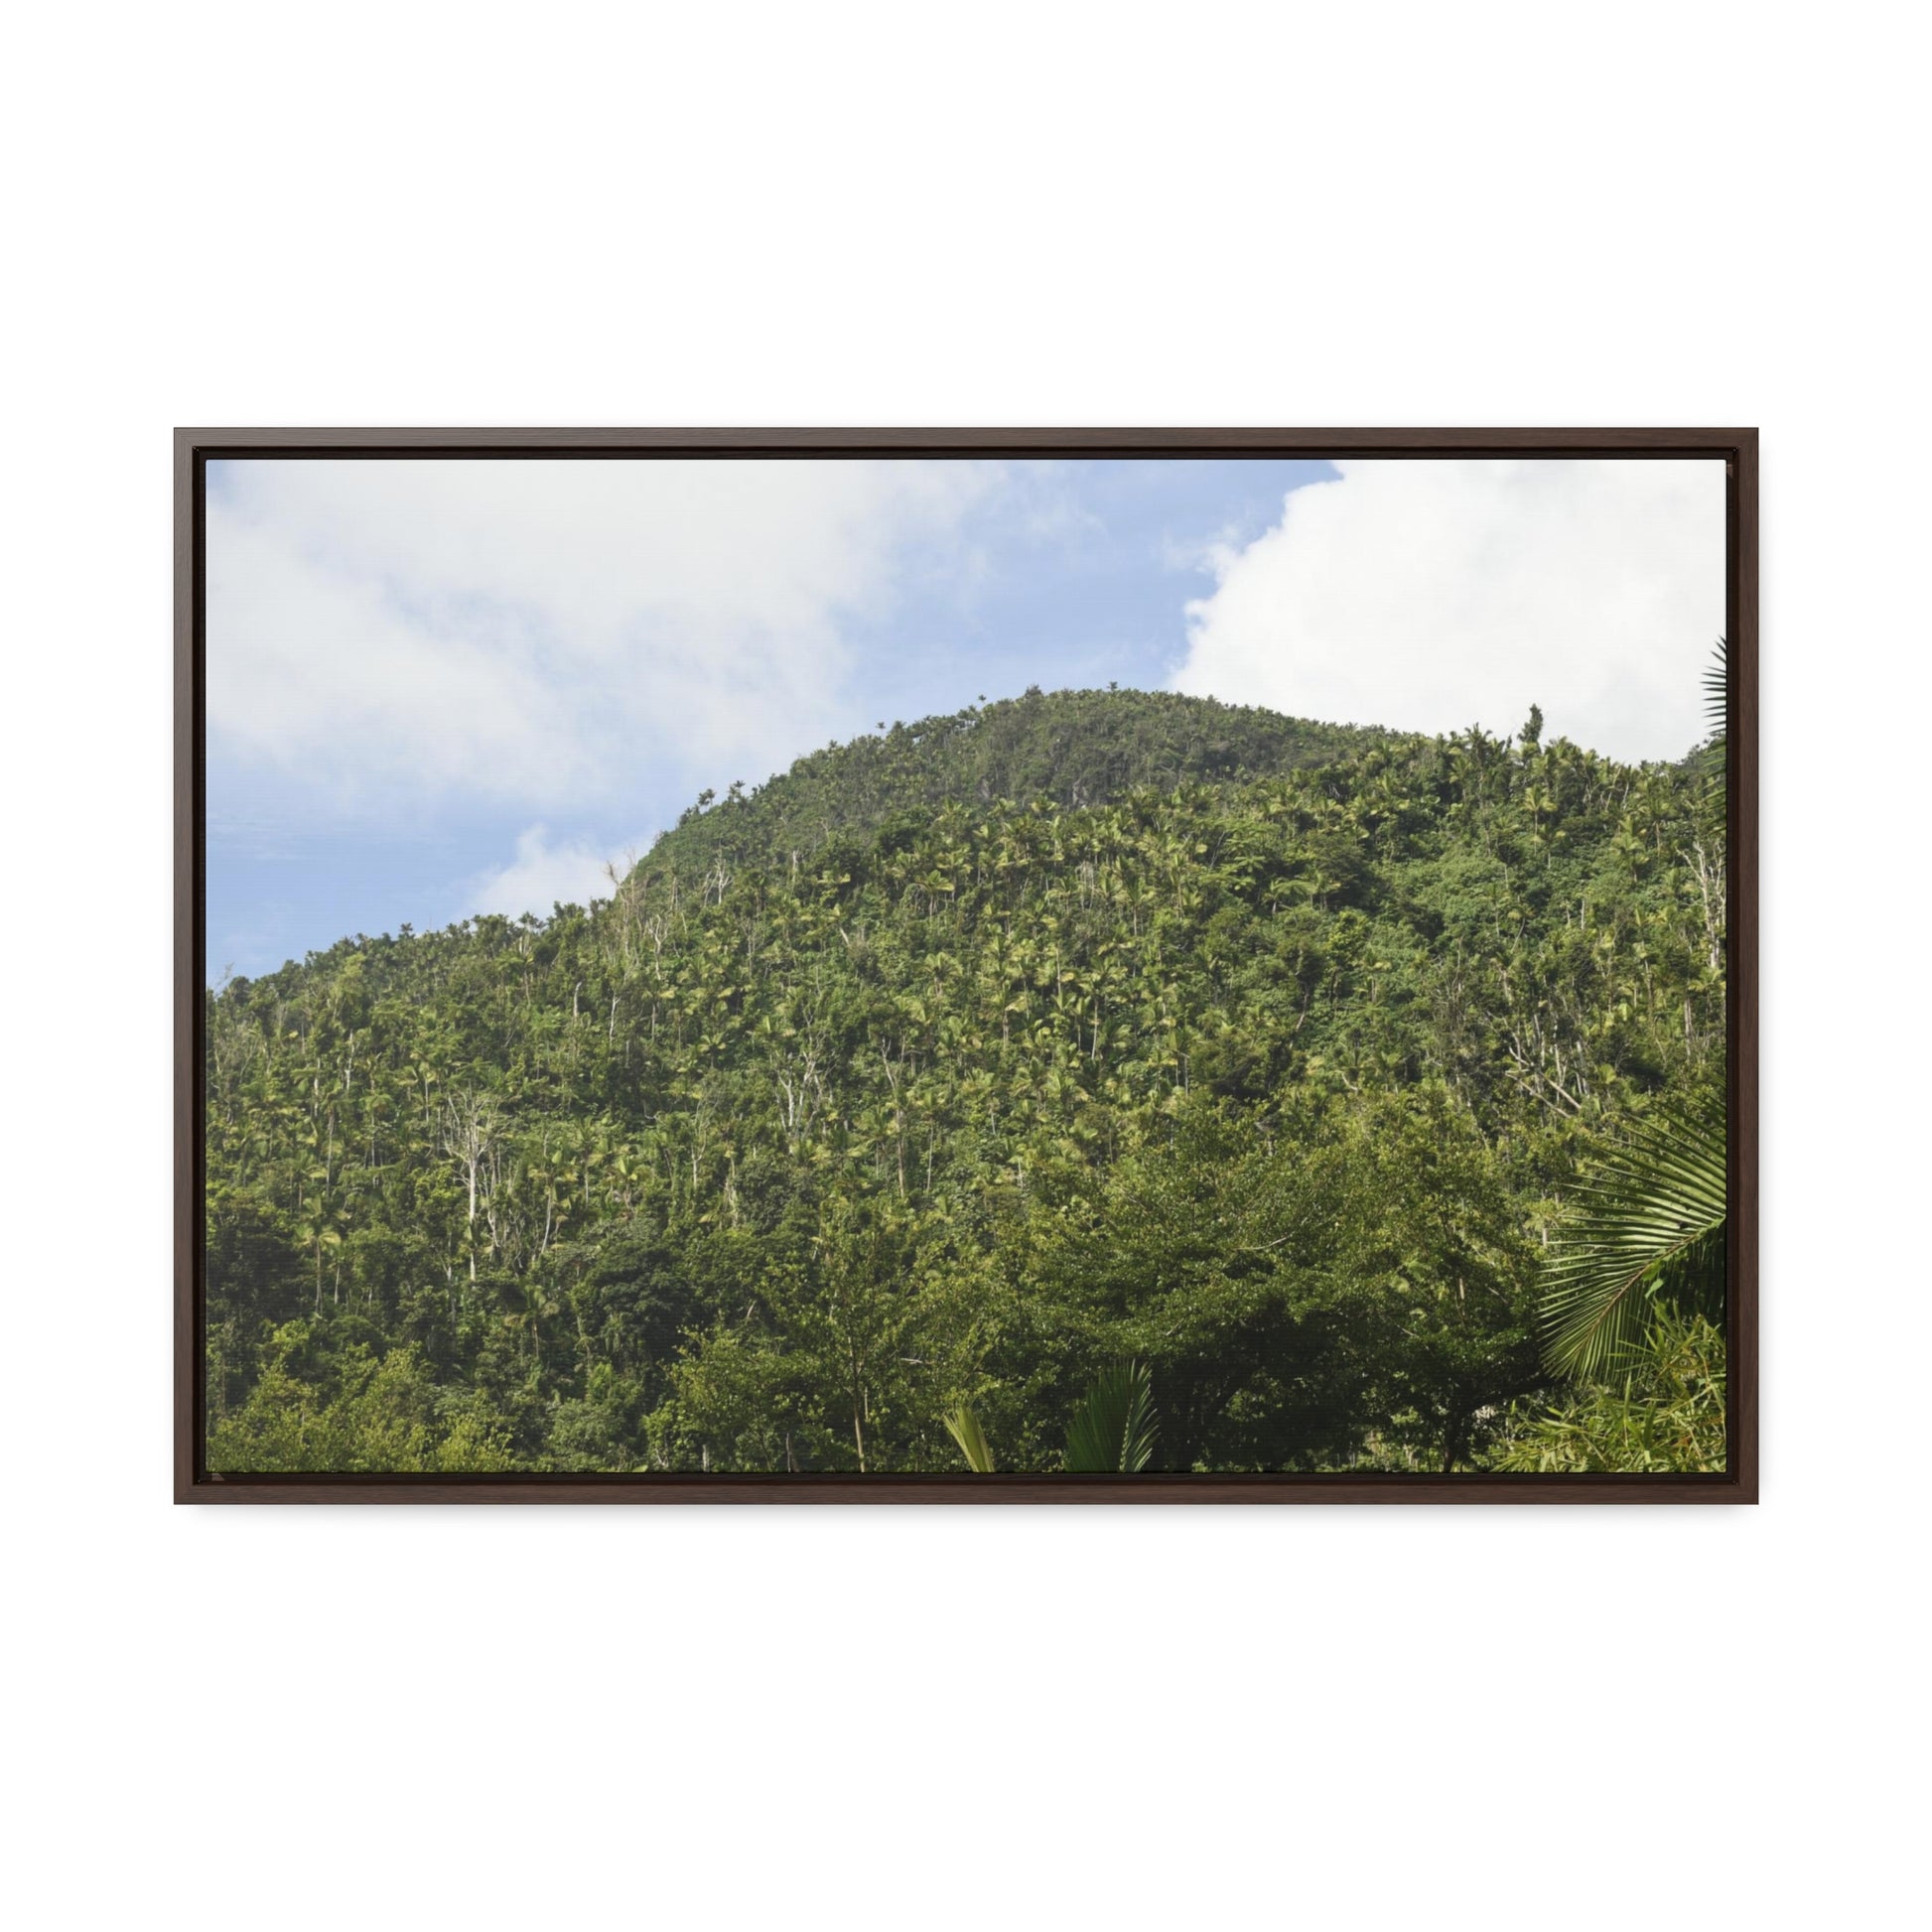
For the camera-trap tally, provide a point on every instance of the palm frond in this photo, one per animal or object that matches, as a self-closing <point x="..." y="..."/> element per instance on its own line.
<point x="1648" y="1225"/>
<point x="1716" y="690"/>
<point x="1716" y="757"/>
<point x="964" y="1428"/>
<point x="1113" y="1428"/>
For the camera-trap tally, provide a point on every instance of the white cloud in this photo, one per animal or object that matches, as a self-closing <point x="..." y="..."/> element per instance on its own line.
<point x="543" y="876"/>
<point x="1434" y="595"/>
<point x="531" y="632"/>
<point x="1214" y="554"/>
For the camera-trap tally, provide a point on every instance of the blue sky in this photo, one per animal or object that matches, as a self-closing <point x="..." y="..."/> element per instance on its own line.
<point x="438" y="688"/>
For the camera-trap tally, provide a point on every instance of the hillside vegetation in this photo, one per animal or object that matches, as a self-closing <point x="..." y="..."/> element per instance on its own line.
<point x="1073" y="749"/>
<point x="950" y="1069"/>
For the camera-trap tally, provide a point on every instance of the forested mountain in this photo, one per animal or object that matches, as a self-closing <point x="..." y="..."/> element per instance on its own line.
<point x="1074" y="749"/>
<point x="952" y="1066"/>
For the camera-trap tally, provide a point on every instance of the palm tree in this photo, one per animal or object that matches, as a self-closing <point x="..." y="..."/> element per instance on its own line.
<point x="1650" y="1223"/>
<point x="964" y="1428"/>
<point x="1111" y="1433"/>
<point x="1716" y="710"/>
<point x="1648" y="1227"/>
<point x="527" y="1301"/>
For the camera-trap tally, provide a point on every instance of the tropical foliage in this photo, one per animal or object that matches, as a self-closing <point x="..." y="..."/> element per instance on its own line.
<point x="956" y="1067"/>
<point x="1649" y="1223"/>
<point x="1662" y="1413"/>
<point x="1113" y="1428"/>
<point x="1112" y="1432"/>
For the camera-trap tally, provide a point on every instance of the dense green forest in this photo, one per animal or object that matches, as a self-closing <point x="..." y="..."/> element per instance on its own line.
<point x="957" y="1069"/>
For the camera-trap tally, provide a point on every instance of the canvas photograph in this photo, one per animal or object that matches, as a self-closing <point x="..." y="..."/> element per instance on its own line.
<point x="846" y="966"/>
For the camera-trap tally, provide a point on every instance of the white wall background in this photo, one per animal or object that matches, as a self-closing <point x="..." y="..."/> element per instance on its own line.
<point x="998" y="213"/>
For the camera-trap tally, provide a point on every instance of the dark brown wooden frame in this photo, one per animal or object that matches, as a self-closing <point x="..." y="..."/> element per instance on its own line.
<point x="193" y="448"/>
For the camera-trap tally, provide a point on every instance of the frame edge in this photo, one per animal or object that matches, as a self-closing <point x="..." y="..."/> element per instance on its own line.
<point x="1740" y="1483"/>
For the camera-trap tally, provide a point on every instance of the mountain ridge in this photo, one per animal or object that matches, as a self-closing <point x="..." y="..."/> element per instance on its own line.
<point x="1075" y="747"/>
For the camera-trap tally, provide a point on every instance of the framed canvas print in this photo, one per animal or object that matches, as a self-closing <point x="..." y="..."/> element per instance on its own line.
<point x="1026" y="965"/>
